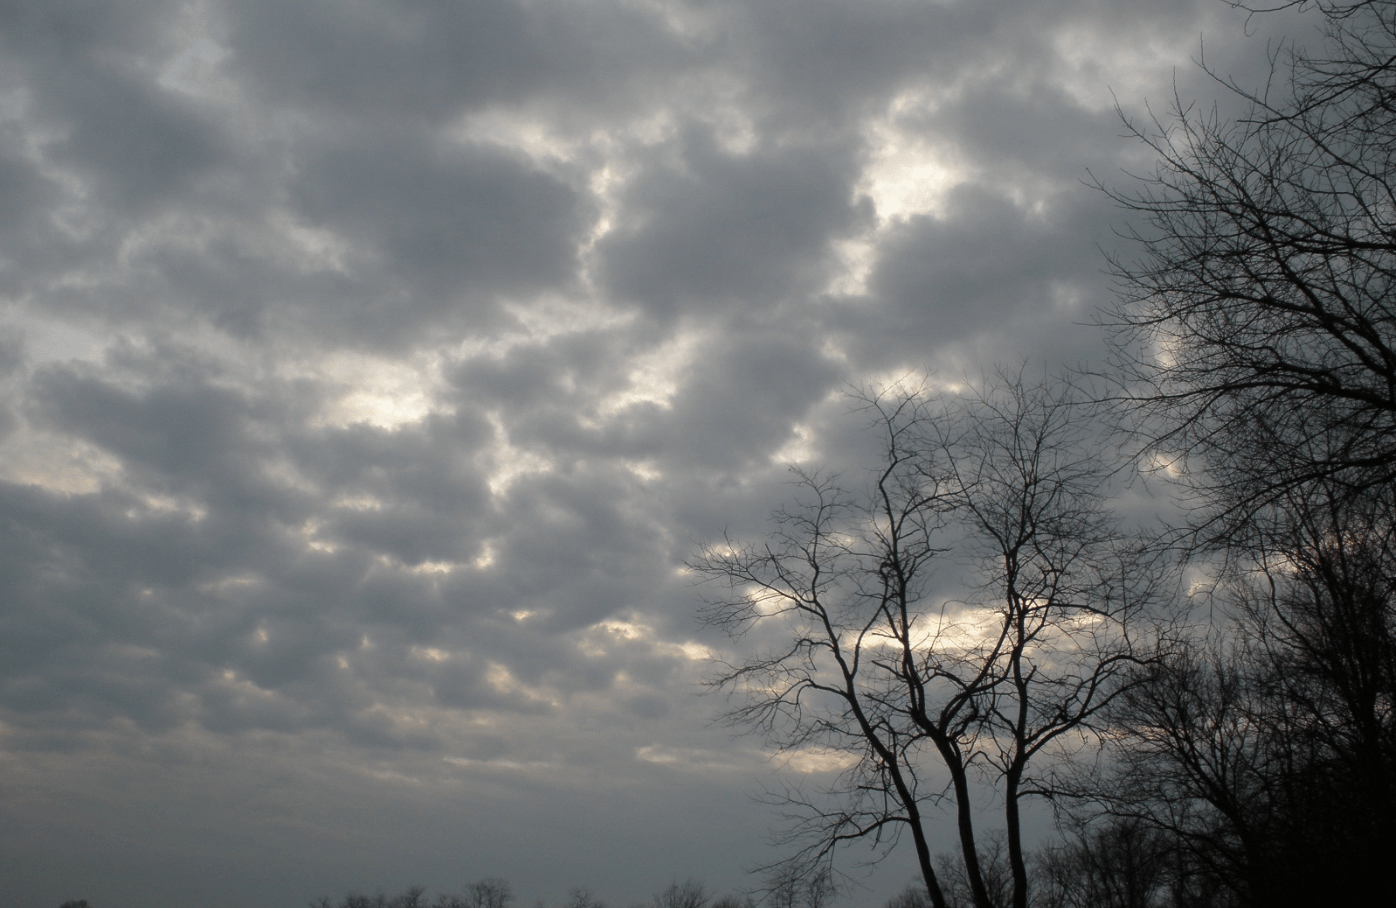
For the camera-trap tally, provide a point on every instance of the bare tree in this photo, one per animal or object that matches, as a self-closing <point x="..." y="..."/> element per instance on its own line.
<point x="688" y="894"/>
<point x="913" y="896"/>
<point x="820" y="889"/>
<point x="1068" y="587"/>
<point x="1120" y="863"/>
<point x="793" y="886"/>
<point x="993" y="865"/>
<point x="907" y="682"/>
<point x="733" y="901"/>
<point x="1267" y="755"/>
<point x="491" y="892"/>
<point x="581" y="897"/>
<point x="451" y="900"/>
<point x="1259" y="321"/>
<point x="1258" y="328"/>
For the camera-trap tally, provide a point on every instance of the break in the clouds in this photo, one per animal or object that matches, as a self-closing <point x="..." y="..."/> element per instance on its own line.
<point x="372" y="367"/>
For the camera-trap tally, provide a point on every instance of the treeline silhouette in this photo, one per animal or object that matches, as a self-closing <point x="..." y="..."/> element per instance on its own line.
<point x="497" y="893"/>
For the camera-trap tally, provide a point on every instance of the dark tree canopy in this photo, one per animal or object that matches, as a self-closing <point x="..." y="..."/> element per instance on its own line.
<point x="1258" y="324"/>
<point x="1257" y="329"/>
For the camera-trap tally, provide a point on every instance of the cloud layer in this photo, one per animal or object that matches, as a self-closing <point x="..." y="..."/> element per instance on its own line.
<point x="372" y="367"/>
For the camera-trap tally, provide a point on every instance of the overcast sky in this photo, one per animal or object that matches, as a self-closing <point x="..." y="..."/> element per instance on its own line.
<point x="370" y="368"/>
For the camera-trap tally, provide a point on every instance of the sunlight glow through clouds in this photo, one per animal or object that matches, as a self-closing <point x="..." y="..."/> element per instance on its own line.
<point x="310" y="533"/>
<point x="907" y="173"/>
<point x="57" y="463"/>
<point x="432" y="568"/>
<point x="800" y="448"/>
<point x="656" y="375"/>
<point x="511" y="463"/>
<point x="194" y="70"/>
<point x="504" y="682"/>
<point x="381" y="392"/>
<point x="962" y="630"/>
<point x="305" y="247"/>
<point x="545" y="319"/>
<point x="817" y="760"/>
<point x="605" y="638"/>
<point x="691" y="758"/>
<point x="519" y="130"/>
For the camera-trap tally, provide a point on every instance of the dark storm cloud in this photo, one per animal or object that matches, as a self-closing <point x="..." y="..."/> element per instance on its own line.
<point x="408" y="60"/>
<point x="776" y="374"/>
<point x="84" y="66"/>
<point x="985" y="265"/>
<point x="741" y="228"/>
<point x="365" y="58"/>
<point x="25" y="198"/>
<point x="447" y="219"/>
<point x="185" y="439"/>
<point x="822" y="58"/>
<point x="426" y="492"/>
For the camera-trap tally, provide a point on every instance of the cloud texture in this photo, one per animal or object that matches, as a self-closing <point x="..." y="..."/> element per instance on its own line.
<point x="371" y="368"/>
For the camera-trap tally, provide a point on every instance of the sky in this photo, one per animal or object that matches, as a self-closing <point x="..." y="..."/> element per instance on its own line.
<point x="370" y="369"/>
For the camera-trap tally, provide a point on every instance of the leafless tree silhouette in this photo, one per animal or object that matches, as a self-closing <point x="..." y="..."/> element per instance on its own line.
<point x="915" y="689"/>
<point x="1257" y="326"/>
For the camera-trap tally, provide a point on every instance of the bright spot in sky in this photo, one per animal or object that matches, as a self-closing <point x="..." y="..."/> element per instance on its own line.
<point x="656" y="375"/>
<point x="512" y="464"/>
<point x="819" y="760"/>
<point x="518" y="130"/>
<point x="961" y="630"/>
<point x="381" y="392"/>
<point x="908" y="173"/>
<point x="192" y="71"/>
<point x="430" y="568"/>
<point x="856" y="258"/>
<point x="800" y="448"/>
<point x="57" y="463"/>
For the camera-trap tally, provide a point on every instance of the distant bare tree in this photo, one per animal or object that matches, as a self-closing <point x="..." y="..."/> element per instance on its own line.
<point x="820" y="889"/>
<point x="790" y="886"/>
<point x="993" y="864"/>
<point x="580" y="897"/>
<point x="491" y="892"/>
<point x="1122" y="862"/>
<point x="414" y="897"/>
<point x="733" y="901"/>
<point x="913" y="896"/>
<point x="450" y="900"/>
<point x="688" y="894"/>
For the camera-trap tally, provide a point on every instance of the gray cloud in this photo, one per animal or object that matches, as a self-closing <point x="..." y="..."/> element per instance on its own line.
<point x="453" y="220"/>
<point x="371" y="369"/>
<point x="743" y="229"/>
